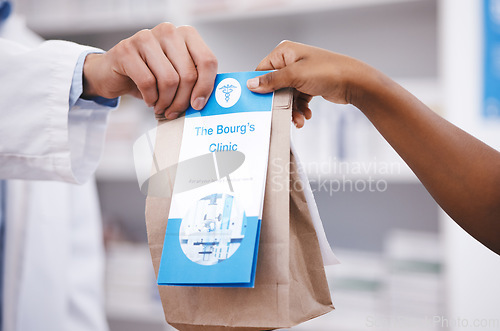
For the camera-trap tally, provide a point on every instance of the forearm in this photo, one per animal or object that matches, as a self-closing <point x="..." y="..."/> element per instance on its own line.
<point x="459" y="171"/>
<point x="35" y="125"/>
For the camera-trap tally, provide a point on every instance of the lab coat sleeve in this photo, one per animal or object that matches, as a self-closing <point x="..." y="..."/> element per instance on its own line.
<point x="40" y="137"/>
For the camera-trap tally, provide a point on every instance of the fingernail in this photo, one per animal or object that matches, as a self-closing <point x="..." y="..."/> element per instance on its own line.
<point x="199" y="103"/>
<point x="253" y="83"/>
<point x="158" y="110"/>
<point x="172" y="116"/>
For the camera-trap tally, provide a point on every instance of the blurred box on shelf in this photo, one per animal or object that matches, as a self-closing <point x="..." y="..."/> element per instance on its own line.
<point x="415" y="287"/>
<point x="398" y="288"/>
<point x="131" y="291"/>
<point x="64" y="17"/>
<point x="126" y="124"/>
<point x="358" y="283"/>
<point x="339" y="141"/>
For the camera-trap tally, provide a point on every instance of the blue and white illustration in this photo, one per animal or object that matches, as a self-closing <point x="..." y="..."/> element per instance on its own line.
<point x="213" y="229"/>
<point x="228" y="92"/>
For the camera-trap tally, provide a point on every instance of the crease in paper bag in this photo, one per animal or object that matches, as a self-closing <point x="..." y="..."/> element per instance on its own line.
<point x="329" y="257"/>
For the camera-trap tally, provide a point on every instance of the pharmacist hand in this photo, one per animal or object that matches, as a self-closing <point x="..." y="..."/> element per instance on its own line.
<point x="312" y="72"/>
<point x="168" y="67"/>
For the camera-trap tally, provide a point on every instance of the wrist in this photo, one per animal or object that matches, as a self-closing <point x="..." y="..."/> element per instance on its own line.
<point x="368" y="87"/>
<point x="90" y="89"/>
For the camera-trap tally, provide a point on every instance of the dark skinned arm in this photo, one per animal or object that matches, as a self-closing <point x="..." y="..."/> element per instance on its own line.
<point x="459" y="171"/>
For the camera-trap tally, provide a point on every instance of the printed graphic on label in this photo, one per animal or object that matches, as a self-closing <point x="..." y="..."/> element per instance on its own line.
<point x="213" y="229"/>
<point x="228" y="92"/>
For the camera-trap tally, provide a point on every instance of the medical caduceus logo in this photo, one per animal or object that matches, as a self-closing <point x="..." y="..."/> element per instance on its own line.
<point x="228" y="92"/>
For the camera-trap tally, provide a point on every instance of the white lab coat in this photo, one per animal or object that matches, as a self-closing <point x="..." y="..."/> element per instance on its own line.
<point x="54" y="259"/>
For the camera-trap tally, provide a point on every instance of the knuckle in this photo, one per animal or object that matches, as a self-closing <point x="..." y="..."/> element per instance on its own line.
<point x="125" y="46"/>
<point x="163" y="84"/>
<point x="289" y="52"/>
<point x="143" y="36"/>
<point x="209" y="62"/>
<point x="147" y="82"/>
<point x="171" y="82"/>
<point x="166" y="83"/>
<point x="287" y="48"/>
<point x="187" y="29"/>
<point x="165" y="28"/>
<point x="285" y="43"/>
<point x="266" y="79"/>
<point x="190" y="76"/>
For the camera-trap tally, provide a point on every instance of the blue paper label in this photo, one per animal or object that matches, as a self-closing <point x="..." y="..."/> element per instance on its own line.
<point x="213" y="229"/>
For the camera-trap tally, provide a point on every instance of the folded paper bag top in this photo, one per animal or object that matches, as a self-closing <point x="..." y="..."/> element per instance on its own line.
<point x="290" y="282"/>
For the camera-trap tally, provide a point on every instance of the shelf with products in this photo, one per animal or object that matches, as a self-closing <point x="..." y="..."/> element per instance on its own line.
<point x="131" y="291"/>
<point x="348" y="147"/>
<point x="55" y="17"/>
<point x="223" y="11"/>
<point x="406" y="276"/>
<point x="402" y="282"/>
<point x="126" y="124"/>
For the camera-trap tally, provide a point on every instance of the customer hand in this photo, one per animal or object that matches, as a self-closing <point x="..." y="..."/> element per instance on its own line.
<point x="460" y="172"/>
<point x="168" y="67"/>
<point x="312" y="72"/>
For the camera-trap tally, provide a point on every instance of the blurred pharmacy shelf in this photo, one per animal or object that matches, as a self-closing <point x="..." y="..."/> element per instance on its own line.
<point x="223" y="11"/>
<point x="51" y="17"/>
<point x="399" y="37"/>
<point x="427" y="89"/>
<point x="61" y="17"/>
<point x="131" y="291"/>
<point x="130" y="283"/>
<point x="126" y="124"/>
<point x="397" y="289"/>
<point x="348" y="147"/>
<point x="405" y="280"/>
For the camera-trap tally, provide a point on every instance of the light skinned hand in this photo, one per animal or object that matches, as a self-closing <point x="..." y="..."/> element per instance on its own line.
<point x="312" y="72"/>
<point x="168" y="67"/>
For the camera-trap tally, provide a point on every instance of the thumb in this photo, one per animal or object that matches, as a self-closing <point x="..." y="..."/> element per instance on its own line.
<point x="271" y="82"/>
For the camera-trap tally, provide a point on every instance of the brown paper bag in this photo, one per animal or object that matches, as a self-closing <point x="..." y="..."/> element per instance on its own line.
<point x="290" y="285"/>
